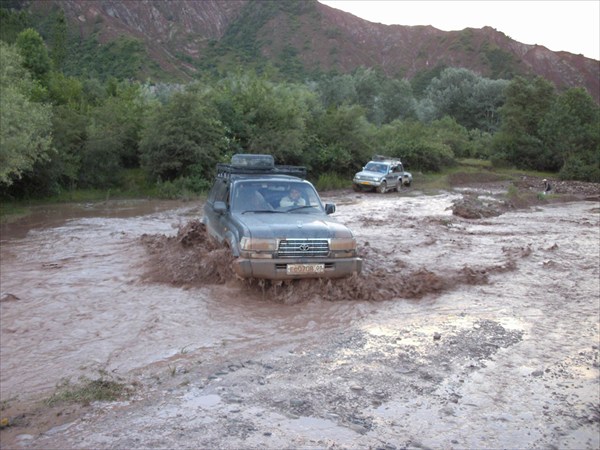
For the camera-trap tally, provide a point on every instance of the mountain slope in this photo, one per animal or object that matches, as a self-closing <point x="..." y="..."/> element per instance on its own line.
<point x="186" y="36"/>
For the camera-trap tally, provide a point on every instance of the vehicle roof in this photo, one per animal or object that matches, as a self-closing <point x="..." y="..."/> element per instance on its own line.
<point x="386" y="161"/>
<point x="266" y="177"/>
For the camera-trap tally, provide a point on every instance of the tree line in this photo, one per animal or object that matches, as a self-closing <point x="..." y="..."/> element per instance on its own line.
<point x="60" y="132"/>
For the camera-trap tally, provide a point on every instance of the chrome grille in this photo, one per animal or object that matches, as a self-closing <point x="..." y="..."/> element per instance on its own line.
<point x="292" y="248"/>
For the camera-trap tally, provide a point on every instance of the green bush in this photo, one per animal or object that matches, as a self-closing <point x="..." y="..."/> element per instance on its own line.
<point x="182" y="188"/>
<point x="330" y="180"/>
<point x="576" y="169"/>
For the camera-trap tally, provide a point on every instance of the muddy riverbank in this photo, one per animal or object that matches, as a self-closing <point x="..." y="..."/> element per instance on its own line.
<point x="461" y="333"/>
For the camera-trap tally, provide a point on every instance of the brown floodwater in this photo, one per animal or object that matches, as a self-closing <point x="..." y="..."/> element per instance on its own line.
<point x="111" y="287"/>
<point x="76" y="298"/>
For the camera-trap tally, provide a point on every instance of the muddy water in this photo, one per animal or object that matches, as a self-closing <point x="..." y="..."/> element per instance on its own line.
<point x="512" y="300"/>
<point x="74" y="300"/>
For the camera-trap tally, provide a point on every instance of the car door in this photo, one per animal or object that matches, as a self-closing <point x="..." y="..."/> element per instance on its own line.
<point x="216" y="221"/>
<point x="395" y="177"/>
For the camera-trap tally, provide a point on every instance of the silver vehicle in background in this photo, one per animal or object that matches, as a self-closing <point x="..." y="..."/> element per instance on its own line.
<point x="382" y="174"/>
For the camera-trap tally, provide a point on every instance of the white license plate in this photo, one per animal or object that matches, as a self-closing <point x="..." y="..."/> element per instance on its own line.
<point x="300" y="269"/>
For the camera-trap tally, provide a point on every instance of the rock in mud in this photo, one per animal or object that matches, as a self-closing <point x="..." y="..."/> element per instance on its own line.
<point x="472" y="207"/>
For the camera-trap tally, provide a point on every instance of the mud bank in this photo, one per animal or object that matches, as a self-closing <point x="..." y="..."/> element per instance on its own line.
<point x="461" y="333"/>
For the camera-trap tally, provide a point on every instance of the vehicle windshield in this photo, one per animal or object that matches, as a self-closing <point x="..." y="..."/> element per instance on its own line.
<point x="274" y="196"/>
<point x="376" y="167"/>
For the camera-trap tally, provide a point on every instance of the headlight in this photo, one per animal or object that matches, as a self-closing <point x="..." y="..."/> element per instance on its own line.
<point x="342" y="244"/>
<point x="258" y="245"/>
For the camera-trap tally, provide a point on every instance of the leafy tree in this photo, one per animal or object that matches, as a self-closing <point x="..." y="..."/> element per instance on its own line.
<point x="571" y="134"/>
<point x="519" y="141"/>
<point x="449" y="132"/>
<point x="24" y="125"/>
<point x="12" y="22"/>
<point x="382" y="99"/>
<point x="342" y="140"/>
<point x="69" y="137"/>
<point x="397" y="101"/>
<point x="61" y="169"/>
<point x="183" y="138"/>
<point x="420" y="146"/>
<point x="289" y="64"/>
<point x="113" y="133"/>
<point x="100" y="158"/>
<point x="59" y="41"/>
<point x="94" y="92"/>
<point x="478" y="146"/>
<point x="337" y="90"/>
<point x="368" y="85"/>
<point x="471" y="100"/>
<point x="262" y="117"/>
<point x="123" y="58"/>
<point x="422" y="79"/>
<point x="63" y="90"/>
<point x="34" y="52"/>
<point x="501" y="63"/>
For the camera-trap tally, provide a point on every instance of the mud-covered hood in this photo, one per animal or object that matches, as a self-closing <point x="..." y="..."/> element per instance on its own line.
<point x="369" y="175"/>
<point x="290" y="225"/>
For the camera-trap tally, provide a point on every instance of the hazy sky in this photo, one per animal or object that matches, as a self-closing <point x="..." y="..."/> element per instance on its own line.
<point x="572" y="26"/>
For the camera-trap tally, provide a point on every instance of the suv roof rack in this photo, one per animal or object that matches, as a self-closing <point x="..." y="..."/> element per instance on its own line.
<point x="386" y="158"/>
<point x="250" y="160"/>
<point x="248" y="164"/>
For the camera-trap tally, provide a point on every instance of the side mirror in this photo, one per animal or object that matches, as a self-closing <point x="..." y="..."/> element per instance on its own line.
<point x="219" y="207"/>
<point x="329" y="208"/>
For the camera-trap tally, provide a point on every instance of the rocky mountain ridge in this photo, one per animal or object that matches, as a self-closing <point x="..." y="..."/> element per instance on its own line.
<point x="178" y="35"/>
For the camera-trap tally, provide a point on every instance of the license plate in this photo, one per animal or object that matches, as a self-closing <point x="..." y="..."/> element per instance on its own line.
<point x="365" y="182"/>
<point x="301" y="269"/>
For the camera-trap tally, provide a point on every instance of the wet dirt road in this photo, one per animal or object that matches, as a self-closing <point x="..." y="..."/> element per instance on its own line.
<point x="460" y="333"/>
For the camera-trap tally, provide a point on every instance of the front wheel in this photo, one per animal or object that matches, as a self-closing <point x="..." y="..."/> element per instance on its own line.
<point x="382" y="188"/>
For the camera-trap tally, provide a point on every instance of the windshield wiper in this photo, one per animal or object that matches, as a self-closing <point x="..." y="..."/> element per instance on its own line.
<point x="300" y="207"/>
<point x="260" y="211"/>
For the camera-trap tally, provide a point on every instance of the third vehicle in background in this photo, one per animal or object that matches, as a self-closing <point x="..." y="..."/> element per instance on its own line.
<point x="382" y="174"/>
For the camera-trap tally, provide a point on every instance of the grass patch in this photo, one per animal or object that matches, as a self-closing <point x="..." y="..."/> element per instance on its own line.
<point x="5" y="403"/>
<point x="330" y="181"/>
<point x="9" y="212"/>
<point x="475" y="163"/>
<point x="462" y="178"/>
<point x="102" y="389"/>
<point x="519" y="199"/>
<point x="470" y="171"/>
<point x="431" y="182"/>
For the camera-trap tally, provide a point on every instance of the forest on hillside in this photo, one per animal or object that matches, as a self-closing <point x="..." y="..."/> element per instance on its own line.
<point x="63" y="129"/>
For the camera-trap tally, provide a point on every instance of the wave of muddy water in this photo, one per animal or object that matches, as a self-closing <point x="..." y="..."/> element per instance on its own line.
<point x="460" y="333"/>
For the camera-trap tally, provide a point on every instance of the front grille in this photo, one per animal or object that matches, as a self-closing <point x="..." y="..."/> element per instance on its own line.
<point x="294" y="248"/>
<point x="328" y="266"/>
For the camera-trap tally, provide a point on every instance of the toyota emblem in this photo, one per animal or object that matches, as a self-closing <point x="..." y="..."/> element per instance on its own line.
<point x="304" y="247"/>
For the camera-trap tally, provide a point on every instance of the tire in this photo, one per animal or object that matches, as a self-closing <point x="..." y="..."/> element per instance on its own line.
<point x="356" y="188"/>
<point x="382" y="188"/>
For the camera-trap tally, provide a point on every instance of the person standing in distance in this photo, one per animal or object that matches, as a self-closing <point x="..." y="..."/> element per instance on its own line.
<point x="547" y="186"/>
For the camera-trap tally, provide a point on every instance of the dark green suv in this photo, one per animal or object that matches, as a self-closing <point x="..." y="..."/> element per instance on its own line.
<point x="275" y="223"/>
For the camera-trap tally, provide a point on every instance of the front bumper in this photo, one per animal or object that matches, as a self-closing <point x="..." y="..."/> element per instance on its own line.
<point x="276" y="269"/>
<point x="368" y="183"/>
